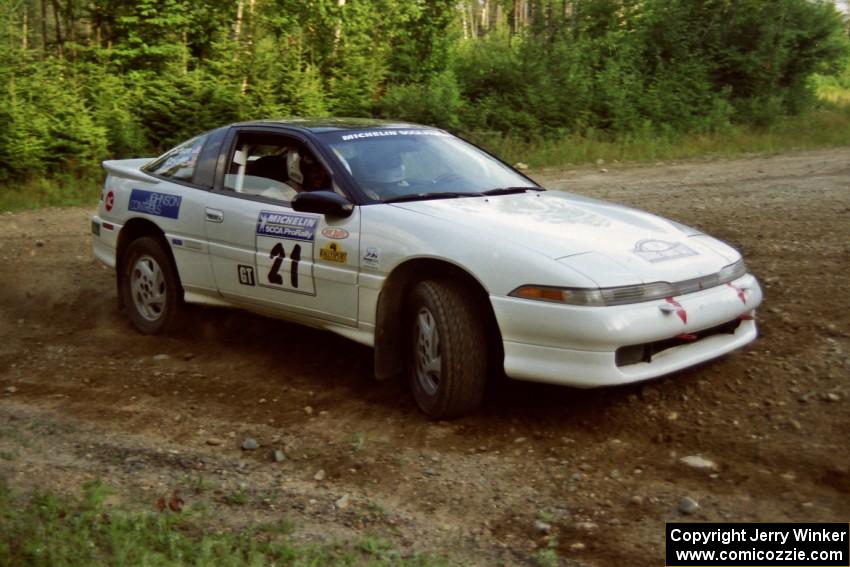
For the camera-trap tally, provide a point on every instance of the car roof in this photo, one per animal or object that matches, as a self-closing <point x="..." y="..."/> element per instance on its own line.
<point x="319" y="125"/>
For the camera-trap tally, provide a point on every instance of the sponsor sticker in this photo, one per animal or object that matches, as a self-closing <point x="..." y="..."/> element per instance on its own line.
<point x="372" y="257"/>
<point x="285" y="251"/>
<point x="386" y="133"/>
<point x="333" y="252"/>
<point x="662" y="251"/>
<point x="335" y="233"/>
<point x="287" y="226"/>
<point x="153" y="203"/>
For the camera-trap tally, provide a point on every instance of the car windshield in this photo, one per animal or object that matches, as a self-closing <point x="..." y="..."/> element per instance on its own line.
<point x="416" y="164"/>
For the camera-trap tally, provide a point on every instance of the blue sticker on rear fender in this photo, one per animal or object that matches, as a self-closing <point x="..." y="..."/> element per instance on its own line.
<point x="152" y="203"/>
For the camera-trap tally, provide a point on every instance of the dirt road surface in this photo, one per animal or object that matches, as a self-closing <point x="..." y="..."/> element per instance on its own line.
<point x="591" y="474"/>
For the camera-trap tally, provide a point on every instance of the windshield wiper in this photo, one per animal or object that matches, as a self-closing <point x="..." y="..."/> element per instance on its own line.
<point x="429" y="196"/>
<point x="511" y="190"/>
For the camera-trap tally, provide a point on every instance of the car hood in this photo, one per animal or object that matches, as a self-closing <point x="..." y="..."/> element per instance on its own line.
<point x="611" y="244"/>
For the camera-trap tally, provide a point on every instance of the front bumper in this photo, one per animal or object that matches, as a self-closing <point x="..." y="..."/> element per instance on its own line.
<point x="577" y="346"/>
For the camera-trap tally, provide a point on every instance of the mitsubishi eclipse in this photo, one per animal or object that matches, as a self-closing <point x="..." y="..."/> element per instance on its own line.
<point x="451" y="264"/>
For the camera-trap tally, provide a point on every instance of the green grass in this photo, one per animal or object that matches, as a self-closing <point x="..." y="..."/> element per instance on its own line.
<point x="547" y="557"/>
<point x="828" y="126"/>
<point x="61" y="191"/>
<point x="199" y="483"/>
<point x="46" y="530"/>
<point x="236" y="498"/>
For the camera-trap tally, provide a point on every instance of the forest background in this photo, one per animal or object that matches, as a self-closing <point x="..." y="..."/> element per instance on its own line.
<point x="541" y="81"/>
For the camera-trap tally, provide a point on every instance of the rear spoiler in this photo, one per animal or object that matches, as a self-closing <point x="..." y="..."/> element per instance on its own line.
<point x="129" y="169"/>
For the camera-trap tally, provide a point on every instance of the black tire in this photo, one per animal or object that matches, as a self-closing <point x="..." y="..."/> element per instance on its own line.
<point x="150" y="287"/>
<point x="453" y="384"/>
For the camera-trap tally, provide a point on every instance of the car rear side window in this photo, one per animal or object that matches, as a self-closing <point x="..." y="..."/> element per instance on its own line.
<point x="178" y="163"/>
<point x="205" y="169"/>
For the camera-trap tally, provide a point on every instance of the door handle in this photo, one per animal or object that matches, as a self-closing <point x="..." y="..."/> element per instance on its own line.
<point x="214" y="215"/>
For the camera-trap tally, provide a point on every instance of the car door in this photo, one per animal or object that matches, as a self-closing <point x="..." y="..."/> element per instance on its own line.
<point x="266" y="255"/>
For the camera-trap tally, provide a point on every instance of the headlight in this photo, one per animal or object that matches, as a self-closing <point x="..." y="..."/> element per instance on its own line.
<point x="732" y="272"/>
<point x="625" y="295"/>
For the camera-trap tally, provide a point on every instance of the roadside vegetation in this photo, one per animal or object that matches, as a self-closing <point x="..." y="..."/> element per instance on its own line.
<point x="84" y="530"/>
<point x="544" y="82"/>
<point x="827" y="125"/>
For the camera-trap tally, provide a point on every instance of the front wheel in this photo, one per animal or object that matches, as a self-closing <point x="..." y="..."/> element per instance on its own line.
<point x="448" y="367"/>
<point x="150" y="287"/>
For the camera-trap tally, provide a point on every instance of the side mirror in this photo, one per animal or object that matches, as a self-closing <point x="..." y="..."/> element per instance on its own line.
<point x="323" y="203"/>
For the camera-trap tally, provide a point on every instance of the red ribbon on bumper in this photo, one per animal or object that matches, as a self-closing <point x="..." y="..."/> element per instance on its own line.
<point x="680" y="311"/>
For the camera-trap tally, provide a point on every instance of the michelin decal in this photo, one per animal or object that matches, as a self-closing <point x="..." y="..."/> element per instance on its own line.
<point x="385" y="133"/>
<point x="287" y="226"/>
<point x="284" y="252"/>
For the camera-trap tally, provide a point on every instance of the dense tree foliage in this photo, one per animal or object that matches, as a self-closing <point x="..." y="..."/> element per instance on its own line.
<point x="81" y="80"/>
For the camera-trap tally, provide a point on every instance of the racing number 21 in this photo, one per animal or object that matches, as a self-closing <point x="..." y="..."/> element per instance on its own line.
<point x="278" y="254"/>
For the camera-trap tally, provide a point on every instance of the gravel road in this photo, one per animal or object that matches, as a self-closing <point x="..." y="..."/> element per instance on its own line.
<point x="760" y="435"/>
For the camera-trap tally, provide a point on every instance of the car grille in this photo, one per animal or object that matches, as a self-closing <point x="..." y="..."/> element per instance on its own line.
<point x="634" y="354"/>
<point x="706" y="282"/>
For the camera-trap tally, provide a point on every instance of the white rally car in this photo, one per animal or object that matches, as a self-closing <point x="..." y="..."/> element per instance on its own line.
<point x="451" y="264"/>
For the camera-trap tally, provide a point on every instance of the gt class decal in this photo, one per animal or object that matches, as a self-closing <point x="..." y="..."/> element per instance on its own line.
<point x="246" y="274"/>
<point x="153" y="203"/>
<point x="285" y="242"/>
<point x="661" y="251"/>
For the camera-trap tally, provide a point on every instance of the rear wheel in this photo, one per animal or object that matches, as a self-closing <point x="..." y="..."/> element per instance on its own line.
<point x="150" y="287"/>
<point x="448" y="366"/>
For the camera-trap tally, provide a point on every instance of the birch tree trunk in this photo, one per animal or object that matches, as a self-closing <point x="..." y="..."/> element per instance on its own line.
<point x="24" y="31"/>
<point x="244" y="87"/>
<point x="237" y="25"/>
<point x="338" y="29"/>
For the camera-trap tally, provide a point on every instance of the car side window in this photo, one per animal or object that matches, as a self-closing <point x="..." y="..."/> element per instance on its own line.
<point x="273" y="166"/>
<point x="208" y="158"/>
<point x="178" y="163"/>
